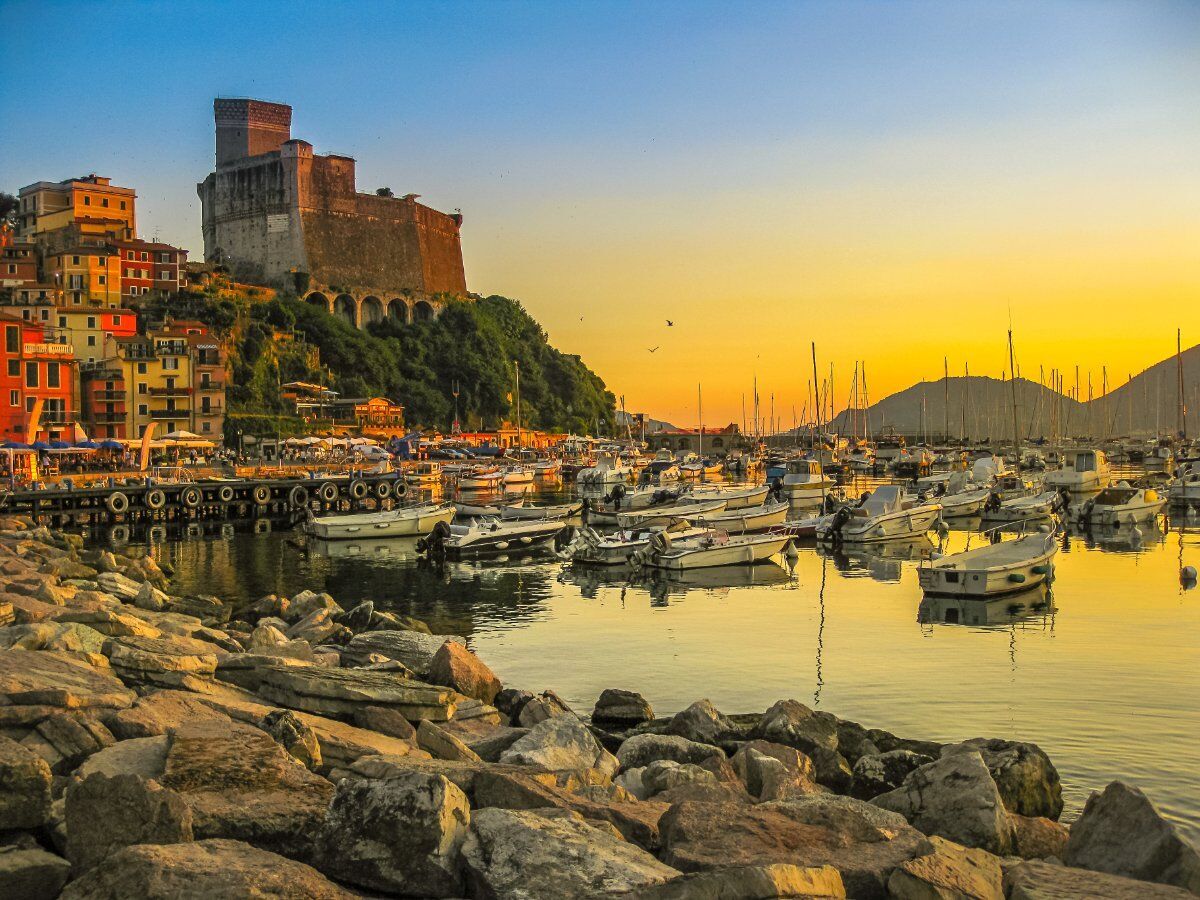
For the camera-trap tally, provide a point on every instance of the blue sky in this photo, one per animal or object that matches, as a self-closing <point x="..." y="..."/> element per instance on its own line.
<point x="637" y="158"/>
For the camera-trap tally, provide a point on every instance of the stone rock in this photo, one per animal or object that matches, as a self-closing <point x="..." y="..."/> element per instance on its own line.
<point x="266" y="636"/>
<point x="495" y="742"/>
<point x="30" y="873"/>
<point x="562" y="742"/>
<point x="950" y="871"/>
<point x="862" y="842"/>
<point x="414" y="649"/>
<point x="150" y="597"/>
<point x="119" y="586"/>
<point x="317" y="627"/>
<point x="307" y="602"/>
<point x="385" y="721"/>
<point x="402" y="835"/>
<point x="202" y="869"/>
<point x="545" y="705"/>
<point x="158" y="712"/>
<point x="143" y="756"/>
<point x="57" y="635"/>
<point x="106" y="814"/>
<point x="878" y="773"/>
<point x="643" y="749"/>
<point x="621" y="709"/>
<point x="24" y="787"/>
<point x="633" y="821"/>
<point x="512" y="854"/>
<point x="1048" y="881"/>
<point x="954" y="797"/>
<point x="166" y="661"/>
<point x="294" y="736"/>
<point x="663" y="775"/>
<point x="113" y="623"/>
<point x="1121" y="833"/>
<point x="462" y="775"/>
<point x="832" y="769"/>
<point x="1027" y="780"/>
<point x="441" y="744"/>
<point x="52" y="678"/>
<point x="793" y="724"/>
<point x="240" y="784"/>
<point x="768" y="882"/>
<point x="773" y="771"/>
<point x="701" y="722"/>
<point x="359" y="618"/>
<point x="388" y="621"/>
<point x="1038" y="837"/>
<point x="510" y="702"/>
<point x="455" y="666"/>
<point x="270" y="606"/>
<point x="66" y="739"/>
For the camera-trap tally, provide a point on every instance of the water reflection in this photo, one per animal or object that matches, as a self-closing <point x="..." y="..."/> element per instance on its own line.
<point x="1037" y="603"/>
<point x="883" y="561"/>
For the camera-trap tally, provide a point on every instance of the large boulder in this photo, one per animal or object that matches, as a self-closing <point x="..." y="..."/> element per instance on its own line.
<point x="513" y="855"/>
<point x="773" y="771"/>
<point x="643" y="749"/>
<point x="24" y="787"/>
<point x="663" y="775"/>
<point x="66" y="739"/>
<point x="240" y="784"/>
<point x="1050" y="881"/>
<point x="307" y="602"/>
<point x="950" y="871"/>
<point x="441" y="744"/>
<point x="878" y="773"/>
<point x="30" y="873"/>
<point x="1120" y="832"/>
<point x="104" y="814"/>
<point x="454" y="666"/>
<point x="164" y="661"/>
<point x="862" y="842"/>
<point x="545" y="705"/>
<point x="50" y="678"/>
<point x="792" y="723"/>
<point x="158" y="712"/>
<point x="701" y="722"/>
<point x="769" y="882"/>
<point x="293" y="735"/>
<point x="1027" y="780"/>
<point x="561" y="742"/>
<point x="412" y="648"/>
<point x="403" y="835"/>
<point x="617" y="708"/>
<point x="1036" y="837"/>
<point x="202" y="869"/>
<point x="144" y="756"/>
<point x="954" y="797"/>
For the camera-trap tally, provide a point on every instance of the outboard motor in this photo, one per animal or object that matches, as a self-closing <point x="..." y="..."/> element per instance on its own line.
<point x="435" y="544"/>
<point x="840" y="518"/>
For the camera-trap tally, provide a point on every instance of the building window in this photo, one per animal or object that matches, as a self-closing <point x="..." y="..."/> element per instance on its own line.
<point x="31" y="374"/>
<point x="103" y="279"/>
<point x="74" y="260"/>
<point x="143" y="409"/>
<point x="12" y="339"/>
<point x="52" y="378"/>
<point x="14" y="398"/>
<point x="144" y="256"/>
<point x="14" y="368"/>
<point x="12" y="269"/>
<point x="170" y="363"/>
<point x="122" y="204"/>
<point x="163" y="275"/>
<point x="91" y="342"/>
<point x="206" y="426"/>
<point x="116" y="321"/>
<point x="62" y="321"/>
<point x="29" y="401"/>
<point x="141" y="368"/>
<point x="91" y="320"/>
<point x="141" y="387"/>
<point x="87" y="201"/>
<point x="76" y="298"/>
<point x="104" y="202"/>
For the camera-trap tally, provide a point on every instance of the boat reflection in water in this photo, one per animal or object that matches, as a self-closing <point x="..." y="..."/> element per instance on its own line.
<point x="664" y="583"/>
<point x="400" y="548"/>
<point x="1116" y="538"/>
<point x="883" y="561"/>
<point x="1025" y="606"/>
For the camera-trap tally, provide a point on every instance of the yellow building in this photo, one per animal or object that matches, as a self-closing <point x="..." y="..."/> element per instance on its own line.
<point x="157" y="372"/>
<point x="90" y="210"/>
<point x="84" y="276"/>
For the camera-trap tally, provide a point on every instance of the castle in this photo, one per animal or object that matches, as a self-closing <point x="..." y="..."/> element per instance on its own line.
<point x="274" y="212"/>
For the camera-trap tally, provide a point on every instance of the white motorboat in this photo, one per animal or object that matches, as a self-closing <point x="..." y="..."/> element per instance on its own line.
<point x="668" y="513"/>
<point x="1185" y="490"/>
<point x="405" y="521"/>
<point x="609" y="469"/>
<point x="1011" y="485"/>
<point x="1122" y="505"/>
<point x="1084" y="472"/>
<point x="700" y="469"/>
<point x="475" y="508"/>
<point x="488" y="535"/>
<point x="659" y="471"/>
<point x="963" y="504"/>
<point x="547" y="470"/>
<point x="1018" y="509"/>
<point x="861" y="459"/>
<point x="1159" y="461"/>
<point x="480" y="478"/>
<point x="623" y="499"/>
<point x="804" y="479"/>
<point x="741" y="521"/>
<point x="424" y="474"/>
<point x="615" y="549"/>
<point x="993" y="569"/>
<point x="518" y="475"/>
<point x="735" y="497"/>
<point x="886" y="514"/>
<point x="715" y="549"/>
<point x="889" y="446"/>
<point x="537" y="511"/>
<point x="806" y="527"/>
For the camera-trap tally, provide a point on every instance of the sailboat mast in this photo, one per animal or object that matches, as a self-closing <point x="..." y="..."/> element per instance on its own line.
<point x="517" y="371"/>
<point x="816" y="392"/>
<point x="946" y="399"/>
<point x="866" y="401"/>
<point x="700" y="413"/>
<point x="1013" y="381"/>
<point x="1182" y="412"/>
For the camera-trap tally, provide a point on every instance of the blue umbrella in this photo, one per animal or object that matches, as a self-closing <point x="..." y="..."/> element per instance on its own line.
<point x="40" y="445"/>
<point x="112" y="445"/>
<point x="88" y="445"/>
<point x="13" y="445"/>
<point x="59" y="445"/>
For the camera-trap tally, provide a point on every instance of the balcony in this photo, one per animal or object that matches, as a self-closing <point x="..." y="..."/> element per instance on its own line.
<point x="210" y="411"/>
<point x="107" y="395"/>
<point x="57" y="417"/>
<point x="170" y="413"/>
<point x="177" y="391"/>
<point x="109" y="418"/>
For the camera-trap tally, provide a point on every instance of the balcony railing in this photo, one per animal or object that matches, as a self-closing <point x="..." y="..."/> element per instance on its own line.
<point x="177" y="391"/>
<point x="170" y="413"/>
<point x="105" y="394"/>
<point x="57" y="417"/>
<point x="109" y="418"/>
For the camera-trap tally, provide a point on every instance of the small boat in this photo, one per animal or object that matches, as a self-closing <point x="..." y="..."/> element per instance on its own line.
<point x="1004" y="609"/>
<point x="805" y="479"/>
<point x="489" y="535"/>
<point x="541" y="512"/>
<point x="659" y="471"/>
<point x="668" y="513"/>
<point x="861" y="459"/>
<point x="963" y="504"/>
<point x="518" y="475"/>
<point x="741" y="521"/>
<point x="1160" y="460"/>
<point x="424" y="474"/>
<point x="1122" y="505"/>
<point x="622" y="499"/>
<point x="1085" y="472"/>
<point x="480" y="478"/>
<point x="1014" y="484"/>
<point x="992" y="570"/>
<point x="474" y="509"/>
<point x="405" y="521"/>
<point x="699" y="469"/>
<point x="547" y="470"/>
<point x="886" y="514"/>
<point x="591" y="547"/>
<point x="806" y="527"/>
<point x="609" y="469"/>
<point x="738" y="497"/>
<point x="1033" y="506"/>
<point x="715" y="549"/>
<point x="1185" y="490"/>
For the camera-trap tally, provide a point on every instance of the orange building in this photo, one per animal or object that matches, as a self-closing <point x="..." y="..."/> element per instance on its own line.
<point x="90" y="210"/>
<point x="36" y="365"/>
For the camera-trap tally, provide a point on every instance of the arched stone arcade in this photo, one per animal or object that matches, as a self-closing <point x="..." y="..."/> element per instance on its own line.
<point x="346" y="309"/>
<point x="370" y="311"/>
<point x="423" y="311"/>
<point x="362" y="309"/>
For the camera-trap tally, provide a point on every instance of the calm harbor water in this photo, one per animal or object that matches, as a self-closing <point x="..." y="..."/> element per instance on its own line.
<point x="1105" y="676"/>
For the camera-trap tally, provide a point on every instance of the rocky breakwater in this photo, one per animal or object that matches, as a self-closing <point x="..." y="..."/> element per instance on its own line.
<point x="154" y="745"/>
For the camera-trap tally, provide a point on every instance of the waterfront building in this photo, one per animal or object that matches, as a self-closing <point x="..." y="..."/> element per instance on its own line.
<point x="150" y="266"/>
<point x="87" y="211"/>
<point x="379" y="412"/>
<point x="37" y="382"/>
<point x="716" y="441"/>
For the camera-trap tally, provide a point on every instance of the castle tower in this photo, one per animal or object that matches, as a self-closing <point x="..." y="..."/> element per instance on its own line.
<point x="249" y="127"/>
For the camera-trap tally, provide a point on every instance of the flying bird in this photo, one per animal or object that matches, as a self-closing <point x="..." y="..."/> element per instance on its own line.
<point x="652" y="349"/>
<point x="669" y="323"/>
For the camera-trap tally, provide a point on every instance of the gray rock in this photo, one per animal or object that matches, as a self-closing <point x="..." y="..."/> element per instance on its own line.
<point x="769" y="882"/>
<point x="24" y="787"/>
<point x="104" y="815"/>
<point x="441" y="744"/>
<point x="359" y="618"/>
<point x="1038" y="880"/>
<point x="643" y="749"/>
<point x="516" y="855"/>
<point x="562" y="742"/>
<point x="402" y="835"/>
<point x="665" y="774"/>
<point x="951" y="871"/>
<point x="510" y="702"/>
<point x="545" y="705"/>
<point x="621" y="709"/>
<point x="307" y="602"/>
<point x="793" y="724"/>
<point x="878" y="773"/>
<point x="30" y="873"/>
<point x="701" y="722"/>
<point x="1027" y="780"/>
<point x="1121" y="833"/>
<point x="294" y="736"/>
<point x="954" y="797"/>
<point x="772" y="771"/>
<point x="412" y="648"/>
<point x="143" y="756"/>
<point x="491" y="745"/>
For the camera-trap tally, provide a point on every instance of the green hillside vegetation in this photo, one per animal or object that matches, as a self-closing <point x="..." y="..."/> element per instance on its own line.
<point x="472" y="343"/>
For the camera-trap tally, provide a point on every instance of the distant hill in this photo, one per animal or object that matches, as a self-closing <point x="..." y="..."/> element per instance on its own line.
<point x="988" y="405"/>
<point x="1149" y="403"/>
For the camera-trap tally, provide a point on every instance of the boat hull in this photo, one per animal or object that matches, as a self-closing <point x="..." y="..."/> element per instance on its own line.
<point x="728" y="554"/>
<point x="362" y="527"/>
<point x="993" y="581"/>
<point x="889" y="527"/>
